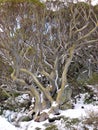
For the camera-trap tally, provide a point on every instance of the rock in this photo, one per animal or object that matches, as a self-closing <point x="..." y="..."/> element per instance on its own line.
<point x="42" y="117"/>
<point x="54" y="118"/>
<point x="66" y="105"/>
<point x="54" y="110"/>
<point x="66" y="98"/>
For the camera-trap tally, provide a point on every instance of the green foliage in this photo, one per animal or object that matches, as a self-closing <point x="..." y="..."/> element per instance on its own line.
<point x="15" y="94"/>
<point x="27" y="118"/>
<point x="70" y="123"/>
<point x="37" y="128"/>
<point x="3" y="94"/>
<point x="88" y="98"/>
<point x="10" y="69"/>
<point x="31" y="51"/>
<point x="82" y="5"/>
<point x="96" y="10"/>
<point x="52" y="127"/>
<point x="73" y="121"/>
<point x="93" y="79"/>
<point x="15" y="1"/>
<point x="35" y="2"/>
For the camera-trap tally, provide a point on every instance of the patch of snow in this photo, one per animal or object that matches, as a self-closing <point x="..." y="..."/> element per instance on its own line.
<point x="8" y="114"/>
<point x="84" y="71"/>
<point x="32" y="125"/>
<point x="60" y="124"/>
<point x="1" y="30"/>
<point x="5" y="125"/>
<point x="79" y="101"/>
<point x="22" y="98"/>
<point x="89" y="46"/>
<point x="39" y="76"/>
<point x="66" y="86"/>
<point x="51" y="115"/>
<point x="80" y="109"/>
<point x="73" y="113"/>
<point x="54" y="104"/>
<point x="93" y="2"/>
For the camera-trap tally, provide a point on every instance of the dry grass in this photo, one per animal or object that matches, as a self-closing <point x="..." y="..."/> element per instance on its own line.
<point x="91" y="119"/>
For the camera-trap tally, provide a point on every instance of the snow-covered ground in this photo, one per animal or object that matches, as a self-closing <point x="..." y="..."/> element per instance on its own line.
<point x="80" y="111"/>
<point x="5" y="125"/>
<point x="32" y="125"/>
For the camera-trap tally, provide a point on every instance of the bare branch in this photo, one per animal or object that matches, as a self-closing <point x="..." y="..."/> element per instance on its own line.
<point x="89" y="33"/>
<point x="46" y="93"/>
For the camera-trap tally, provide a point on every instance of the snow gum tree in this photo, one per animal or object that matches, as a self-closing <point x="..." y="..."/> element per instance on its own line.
<point x="43" y="38"/>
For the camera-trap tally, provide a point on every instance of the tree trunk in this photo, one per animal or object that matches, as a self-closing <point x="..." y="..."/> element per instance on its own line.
<point x="64" y="84"/>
